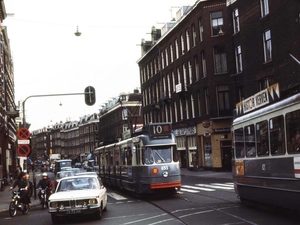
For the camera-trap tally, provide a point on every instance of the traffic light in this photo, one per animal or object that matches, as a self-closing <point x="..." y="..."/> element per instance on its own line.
<point x="90" y="95"/>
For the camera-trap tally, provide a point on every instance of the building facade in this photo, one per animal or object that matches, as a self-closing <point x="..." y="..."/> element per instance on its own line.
<point x="215" y="54"/>
<point x="119" y="118"/>
<point x="8" y="108"/>
<point x="185" y="79"/>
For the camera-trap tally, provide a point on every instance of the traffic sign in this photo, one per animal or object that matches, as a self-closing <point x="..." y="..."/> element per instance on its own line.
<point x="23" y="142"/>
<point x="23" y="150"/>
<point x="23" y="133"/>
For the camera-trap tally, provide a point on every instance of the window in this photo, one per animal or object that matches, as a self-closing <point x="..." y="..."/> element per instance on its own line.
<point x="174" y="82"/>
<point x="249" y="141"/>
<point x="206" y="98"/>
<point x="264" y="7"/>
<point x="162" y="59"/>
<point x="277" y="136"/>
<point x="262" y="138"/>
<point x="187" y="36"/>
<point x="192" y="106"/>
<point x="196" y="68"/>
<point x="204" y="71"/>
<point x="292" y="121"/>
<point x="184" y="77"/>
<point x="171" y="53"/>
<point x="175" y="111"/>
<point x="239" y="143"/>
<point x="182" y="44"/>
<point x="169" y="85"/>
<point x="181" y="109"/>
<point x="236" y="21"/>
<point x="216" y="23"/>
<point x="190" y="72"/>
<point x="199" y="103"/>
<point x="194" y="35"/>
<point x="220" y="60"/>
<point x="167" y="57"/>
<point x="265" y="83"/>
<point x="200" y="30"/>
<point x="176" y="49"/>
<point x="125" y="114"/>
<point x="267" y="46"/>
<point x="187" y="110"/>
<point x="223" y="97"/>
<point x="238" y="59"/>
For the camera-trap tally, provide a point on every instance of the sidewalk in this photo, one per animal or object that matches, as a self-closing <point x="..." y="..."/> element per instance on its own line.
<point x="5" y="196"/>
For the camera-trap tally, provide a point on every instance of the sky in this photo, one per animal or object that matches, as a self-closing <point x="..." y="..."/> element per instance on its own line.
<point x="49" y="59"/>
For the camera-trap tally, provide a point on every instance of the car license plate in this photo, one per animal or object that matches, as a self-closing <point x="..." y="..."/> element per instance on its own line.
<point x="73" y="211"/>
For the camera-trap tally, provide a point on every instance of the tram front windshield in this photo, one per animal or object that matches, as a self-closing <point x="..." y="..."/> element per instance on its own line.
<point x="160" y="154"/>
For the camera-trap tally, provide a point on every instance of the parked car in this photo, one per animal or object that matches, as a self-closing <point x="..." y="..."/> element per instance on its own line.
<point x="72" y="198"/>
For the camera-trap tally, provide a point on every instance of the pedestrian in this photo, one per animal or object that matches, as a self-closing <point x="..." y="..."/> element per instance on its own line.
<point x="30" y="189"/>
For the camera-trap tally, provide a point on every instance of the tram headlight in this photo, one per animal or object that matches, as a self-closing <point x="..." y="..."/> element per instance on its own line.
<point x="154" y="170"/>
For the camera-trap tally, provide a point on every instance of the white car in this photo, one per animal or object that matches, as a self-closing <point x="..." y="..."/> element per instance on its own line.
<point x="78" y="195"/>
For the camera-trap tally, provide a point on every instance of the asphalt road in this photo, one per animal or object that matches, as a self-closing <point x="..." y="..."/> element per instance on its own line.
<point x="202" y="200"/>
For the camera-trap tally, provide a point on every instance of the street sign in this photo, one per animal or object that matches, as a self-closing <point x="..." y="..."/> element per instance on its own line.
<point x="23" y="150"/>
<point x="23" y="133"/>
<point x="24" y="142"/>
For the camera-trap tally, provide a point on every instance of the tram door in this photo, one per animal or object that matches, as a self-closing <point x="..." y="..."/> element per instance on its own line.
<point x="226" y="155"/>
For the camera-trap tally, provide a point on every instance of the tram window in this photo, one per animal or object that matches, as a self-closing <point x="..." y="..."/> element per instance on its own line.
<point x="250" y="141"/>
<point x="262" y="139"/>
<point x="293" y="132"/>
<point x="277" y="139"/>
<point x="129" y="156"/>
<point x="117" y="157"/>
<point x="239" y="143"/>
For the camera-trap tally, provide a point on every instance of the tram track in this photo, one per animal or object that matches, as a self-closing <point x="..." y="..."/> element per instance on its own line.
<point x="194" y="211"/>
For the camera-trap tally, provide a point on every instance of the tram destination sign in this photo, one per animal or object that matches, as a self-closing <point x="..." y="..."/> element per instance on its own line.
<point x="160" y="131"/>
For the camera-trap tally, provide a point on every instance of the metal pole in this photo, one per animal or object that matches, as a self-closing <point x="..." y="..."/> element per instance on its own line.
<point x="24" y="125"/>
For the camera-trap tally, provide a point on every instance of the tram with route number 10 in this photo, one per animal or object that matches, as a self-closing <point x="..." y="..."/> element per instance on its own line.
<point x="266" y="146"/>
<point x="145" y="164"/>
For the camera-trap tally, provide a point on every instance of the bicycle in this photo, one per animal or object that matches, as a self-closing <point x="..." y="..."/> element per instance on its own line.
<point x="16" y="204"/>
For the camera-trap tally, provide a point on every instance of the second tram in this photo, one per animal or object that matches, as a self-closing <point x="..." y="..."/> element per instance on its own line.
<point x="144" y="164"/>
<point x="266" y="161"/>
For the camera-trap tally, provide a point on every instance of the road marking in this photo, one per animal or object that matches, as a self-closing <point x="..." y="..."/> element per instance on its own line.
<point x="214" y="186"/>
<point x="198" y="188"/>
<point x="187" y="190"/>
<point x="116" y="196"/>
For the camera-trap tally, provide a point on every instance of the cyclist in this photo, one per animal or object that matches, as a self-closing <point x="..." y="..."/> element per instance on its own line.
<point x="44" y="183"/>
<point x="23" y="185"/>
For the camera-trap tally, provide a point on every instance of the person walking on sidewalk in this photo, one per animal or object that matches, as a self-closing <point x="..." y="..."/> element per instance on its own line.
<point x="30" y="189"/>
<point x="22" y="182"/>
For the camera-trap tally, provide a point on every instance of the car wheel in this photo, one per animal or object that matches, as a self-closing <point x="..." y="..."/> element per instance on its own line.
<point x="98" y="214"/>
<point x="105" y="209"/>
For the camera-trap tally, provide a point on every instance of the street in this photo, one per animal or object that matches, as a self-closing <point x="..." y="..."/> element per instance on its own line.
<point x="202" y="200"/>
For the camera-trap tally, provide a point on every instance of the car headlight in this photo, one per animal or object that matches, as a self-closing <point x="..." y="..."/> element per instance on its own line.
<point x="93" y="201"/>
<point x="53" y="204"/>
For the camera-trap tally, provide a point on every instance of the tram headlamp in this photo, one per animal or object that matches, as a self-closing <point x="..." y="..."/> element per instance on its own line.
<point x="154" y="170"/>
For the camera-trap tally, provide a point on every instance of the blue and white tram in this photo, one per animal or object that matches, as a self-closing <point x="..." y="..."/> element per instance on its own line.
<point x="266" y="161"/>
<point x="145" y="164"/>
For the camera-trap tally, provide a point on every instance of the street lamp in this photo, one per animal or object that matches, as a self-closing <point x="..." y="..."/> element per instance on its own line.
<point x="77" y="33"/>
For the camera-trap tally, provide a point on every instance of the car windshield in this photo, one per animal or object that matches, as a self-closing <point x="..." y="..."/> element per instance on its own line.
<point x="80" y="183"/>
<point x="157" y="155"/>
